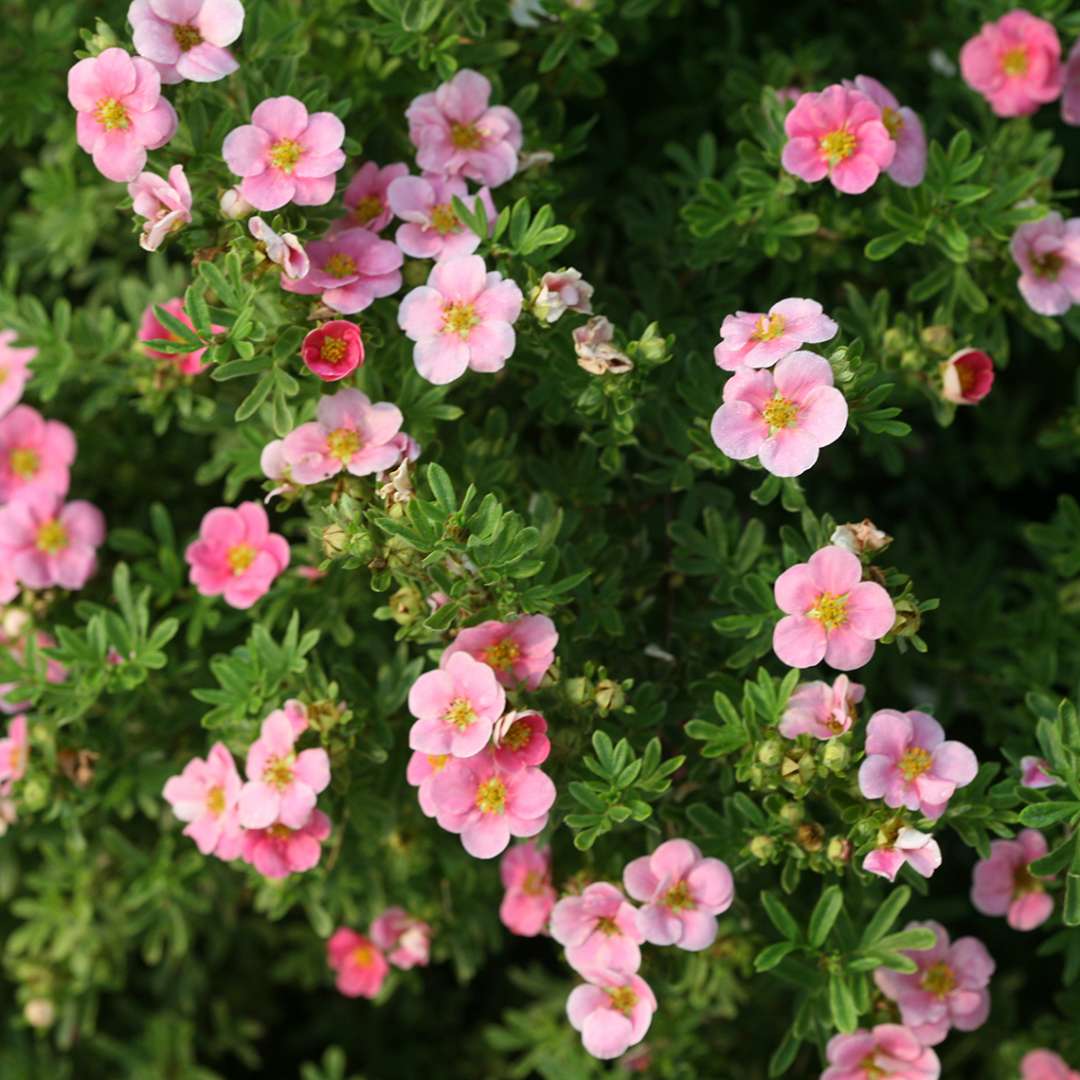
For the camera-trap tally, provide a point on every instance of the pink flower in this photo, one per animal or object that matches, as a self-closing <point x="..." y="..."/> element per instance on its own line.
<point x="359" y="963"/>
<point x="49" y="542"/>
<point x="431" y="229"/>
<point x="838" y="133"/>
<point x="350" y="271"/>
<point x="35" y="454"/>
<point x="405" y="941"/>
<point x="910" y="763"/>
<point x="1004" y="885"/>
<point x="334" y="350"/>
<point x="599" y="930"/>
<point x="1035" y="772"/>
<point x="14" y="751"/>
<point x="279" y="851"/>
<point x="904" y="127"/>
<point x="520" y="739"/>
<point x="284" y="155"/>
<point x="186" y="39"/>
<point x="886" y="1052"/>
<point x="275" y="467"/>
<point x="1045" y="1065"/>
<point x="14" y="369"/>
<point x="750" y="339"/>
<point x="456" y="133"/>
<point x="830" y="613"/>
<point x="966" y="377"/>
<point x="525" y="870"/>
<point x="487" y="806"/>
<point x="166" y="204"/>
<point x="561" y="291"/>
<point x="55" y="672"/>
<point x="420" y="773"/>
<point x="463" y="318"/>
<point x="236" y="555"/>
<point x="611" y="1016"/>
<point x="948" y="990"/>
<point x="455" y="707"/>
<point x="903" y="845"/>
<point x="206" y="795"/>
<point x="282" y="784"/>
<point x="682" y="891"/>
<point x="1070" y="99"/>
<point x="367" y="198"/>
<point x="283" y="249"/>
<point x="233" y="205"/>
<point x="151" y="329"/>
<point x="9" y="585"/>
<point x="821" y="710"/>
<point x="1048" y="254"/>
<point x="1015" y="63"/>
<point x="519" y="651"/>
<point x="783" y="417"/>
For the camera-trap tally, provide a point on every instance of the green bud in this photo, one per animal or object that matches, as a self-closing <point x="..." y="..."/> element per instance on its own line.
<point x="334" y="541"/>
<point x="577" y="690"/>
<point x="35" y="795"/>
<point x="791" y="813"/>
<point x="835" y="755"/>
<point x="892" y="343"/>
<point x="406" y="605"/>
<point x="939" y="339"/>
<point x="763" y="847"/>
<point x="609" y="696"/>
<point x="839" y="850"/>
<point x="770" y="752"/>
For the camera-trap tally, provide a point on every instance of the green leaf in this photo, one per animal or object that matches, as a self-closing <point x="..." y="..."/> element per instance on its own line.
<point x="824" y="915"/>
<point x="180" y="330"/>
<point x="779" y="916"/>
<point x="1043" y="814"/>
<point x="842" y="1004"/>
<point x="771" y="955"/>
<point x="886" y="914"/>
<point x="916" y="939"/>
<point x="442" y="488"/>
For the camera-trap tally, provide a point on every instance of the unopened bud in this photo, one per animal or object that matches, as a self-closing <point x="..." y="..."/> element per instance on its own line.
<point x="609" y="696"/>
<point x="234" y="206"/>
<point x="406" y="605"/>
<point x="810" y="837"/>
<point x="938" y="339"/>
<point x="893" y="341"/>
<point x="762" y="847"/>
<point x="770" y="752"/>
<point x="577" y="690"/>
<point x="39" y="1012"/>
<point x="908" y="619"/>
<point x="334" y="541"/>
<point x="35" y="795"/>
<point x="835" y="755"/>
<point x="791" y="813"/>
<point x="839" y="850"/>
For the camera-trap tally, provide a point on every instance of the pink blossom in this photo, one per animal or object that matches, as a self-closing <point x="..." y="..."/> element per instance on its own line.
<point x="1045" y="1065"/>
<point x="783" y="417"/>
<point x="898" y="846"/>
<point x="358" y="962"/>
<point x="966" y="377"/>
<point x="904" y="127"/>
<point x="275" y="467"/>
<point x="948" y="991"/>
<point x="9" y="583"/>
<point x="486" y="805"/>
<point x="886" y="1052"/>
<point x="186" y="39"/>
<point x="236" y="555"/>
<point x="1070" y="98"/>
<point x="682" y="892"/>
<point x="296" y="713"/>
<point x="1003" y="884"/>
<point x="14" y="369"/>
<point x="821" y="710"/>
<point x="367" y="198"/>
<point x="55" y="672"/>
<point x="350" y="271"/>
<point x="233" y="205"/>
<point x="432" y="229"/>
<point x="752" y="339"/>
<point x="837" y="133"/>
<point x="599" y="930"/>
<point x="1047" y="252"/>
<point x="525" y="870"/>
<point x="1035" y="772"/>
<point x="49" y="542"/>
<point x="278" y="851"/>
<point x="14" y="751"/>
<point x="518" y="651"/>
<point x="166" y="204"/>
<point x="830" y="613"/>
<point x="285" y="155"/>
<point x="283" y="249"/>
<point x="406" y="941"/>
<point x="420" y="773"/>
<point x="1015" y="63"/>
<point x="35" y="454"/>
<point x="333" y="350"/>
<point x="455" y="707"/>
<point x="463" y="318"/>
<point x="456" y="132"/>
<point x="152" y="329"/>
<point x="206" y="795"/>
<point x="561" y="291"/>
<point x="520" y="739"/>
<point x="612" y="1015"/>
<point x="910" y="763"/>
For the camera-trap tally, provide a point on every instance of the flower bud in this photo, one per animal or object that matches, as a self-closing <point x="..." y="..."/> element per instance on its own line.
<point x="839" y="850"/>
<point x="39" y="1012"/>
<point x="763" y="847"/>
<point x="233" y="205"/>
<point x="908" y="618"/>
<point x="609" y="696"/>
<point x="966" y="377"/>
<point x="791" y="813"/>
<point x="324" y="715"/>
<point x="893" y="341"/>
<point x="810" y="837"/>
<point x="835" y="755"/>
<point x="652" y="345"/>
<point x="938" y="338"/>
<point x="406" y="605"/>
<point x="35" y="795"/>
<point x="577" y="690"/>
<point x="770" y="752"/>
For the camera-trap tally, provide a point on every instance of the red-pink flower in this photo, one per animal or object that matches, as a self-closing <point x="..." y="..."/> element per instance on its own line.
<point x="519" y="651"/>
<point x="1035" y="772"/>
<point x="206" y="795"/>
<point x="406" y="941"/>
<point x="599" y="930"/>
<point x="278" y="851"/>
<point x="1047" y="252"/>
<point x="152" y="329"/>
<point x="613" y="1014"/>
<point x="186" y="39"/>
<point x="753" y="339"/>
<point x="14" y="751"/>
<point x="455" y="707"/>
<point x="236" y="555"/>
<point x="35" y="454"/>
<point x="966" y="377"/>
<point x="121" y="113"/>
<point x="900" y="845"/>
<point x="886" y="1052"/>
<point x="837" y="133"/>
<point x="367" y="198"/>
<point x="1003" y="884"/>
<point x="821" y="710"/>
<point x="420" y="773"/>
<point x="525" y="871"/>
<point x="519" y="739"/>
<point x="14" y="369"/>
<point x="904" y="127"/>
<point x="166" y="205"/>
<point x="432" y="229"/>
<point x="1045" y="1065"/>
<point x="333" y="350"/>
<point x="350" y="270"/>
<point x="358" y="962"/>
<point x="49" y="542"/>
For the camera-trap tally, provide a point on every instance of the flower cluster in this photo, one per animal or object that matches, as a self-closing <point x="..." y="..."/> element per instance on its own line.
<point x="361" y="963"/>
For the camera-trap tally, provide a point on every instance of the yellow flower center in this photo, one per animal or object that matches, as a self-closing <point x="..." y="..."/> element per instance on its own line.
<point x="607" y="926"/>
<point x="52" y="537"/>
<point x="443" y="219"/>
<point x="279" y="772"/>
<point x="768" y="327"/>
<point x="780" y="412"/>
<point x="491" y="796"/>
<point x="285" y="153"/>
<point x="1025" y="882"/>
<point x="519" y="736"/>
<point x="915" y="762"/>
<point x="333" y="350"/>
<point x="187" y="37"/>
<point x="215" y="801"/>
<point x="437" y="761"/>
<point x="678" y="897"/>
<point x="3" y="375"/>
<point x="342" y="444"/>
<point x="16" y="759"/>
<point x="460" y="714"/>
<point x="837" y="145"/>
<point x="502" y="655"/>
<point x="279" y="832"/>
<point x="1015" y="61"/>
<point x="939" y="980"/>
<point x="367" y="209"/>
<point x="112" y="115"/>
<point x="24" y="463"/>
<point x="1048" y="265"/>
<point x="362" y="956"/>
<point x="870" y="1068"/>
<point x="466" y="136"/>
<point x="459" y="318"/>
<point x="340" y="265"/>
<point x="893" y="121"/>
<point x="623" y="999"/>
<point x="830" y="610"/>
<point x="240" y="557"/>
<point x="533" y="884"/>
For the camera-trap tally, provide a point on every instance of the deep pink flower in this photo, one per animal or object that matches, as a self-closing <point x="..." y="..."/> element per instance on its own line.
<point x="186" y="39"/>
<point x="359" y="963"/>
<point x="421" y="772"/>
<point x="236" y="555"/>
<point x="206" y="795"/>
<point x="821" y="710"/>
<point x="1048" y="254"/>
<point x="282" y="249"/>
<point x="1070" y="98"/>
<point x="463" y="318"/>
<point x="783" y="417"/>
<point x="455" y="707"/>
<point x="49" y="542"/>
<point x="404" y="940"/>
<point x="560" y="291"/>
<point x="1015" y="63"/>
<point x="599" y="930"/>
<point x="752" y="339"/>
<point x="519" y="651"/>
<point x="903" y="845"/>
<point x="948" y="991"/>
<point x="367" y="198"/>
<point x="613" y="1015"/>
<point x="284" y="155"/>
<point x="520" y="739"/>
<point x="837" y="133"/>
<point x="1045" y="1065"/>
<point x="682" y="893"/>
<point x="14" y="369"/>
<point x="151" y="329"/>
<point x="278" y="851"/>
<point x="14" y="751"/>
<point x="1035" y="772"/>
<point x="35" y="454"/>
<point x="55" y="672"/>
<point x="456" y="132"/>
<point x="350" y="270"/>
<point x="166" y="204"/>
<point x="904" y="127"/>
<point x="830" y="613"/>
<point x="1004" y="885"/>
<point x="431" y="229"/>
<point x="966" y="377"/>
<point x="333" y="350"/>
<point x="121" y="113"/>
<point x="886" y="1052"/>
<point x="910" y="763"/>
<point x="525" y="871"/>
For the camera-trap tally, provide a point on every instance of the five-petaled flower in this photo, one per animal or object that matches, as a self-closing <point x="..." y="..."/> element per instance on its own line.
<point x="1003" y="884"/>
<point x="456" y="707"/>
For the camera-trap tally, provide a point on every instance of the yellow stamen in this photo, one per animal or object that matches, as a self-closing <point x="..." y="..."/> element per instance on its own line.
<point x="491" y="796"/>
<point x="459" y="318"/>
<point x="830" y="610"/>
<point x="343" y="443"/>
<point x="939" y="980"/>
<point x="1047" y="266"/>
<point x="534" y="883"/>
<point x="279" y="831"/>
<point x="1024" y="882"/>
<point x="443" y="219"/>
<point x="333" y="350"/>
<point x="240" y="557"/>
<point x="768" y="327"/>
<point x="340" y="265"/>
<point x="678" y="897"/>
<point x="502" y="655"/>
<point x="52" y="537"/>
<point x="466" y="136"/>
<point x="519" y="736"/>
<point x="623" y="999"/>
<point x="780" y="412"/>
<point x="1015" y="61"/>
<point x="278" y="772"/>
<point x="215" y="801"/>
<point x="915" y="762"/>
<point x="460" y="714"/>
<point x="893" y="121"/>
<point x="607" y="926"/>
<point x="284" y="155"/>
<point x="187" y="37"/>
<point x="437" y="761"/>
<point x="112" y="115"/>
<point x="24" y="463"/>
<point x="837" y="145"/>
<point x="367" y="209"/>
<point x="363" y="955"/>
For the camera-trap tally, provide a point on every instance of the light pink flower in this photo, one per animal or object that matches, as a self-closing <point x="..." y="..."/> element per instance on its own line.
<point x="611" y="1016"/>
<point x="456" y="132"/>
<point x="463" y="318"/>
<point x="431" y="229"/>
<point x="282" y="249"/>
<point x="233" y="205"/>
<point x="486" y="805"/>
<point x="783" y="417"/>
<point x="186" y="39"/>
<point x="903" y="845"/>
<point x="1045" y="1065"/>
<point x="152" y="329"/>
<point x="1004" y="885"/>
<point x="904" y="127"/>
<point x="886" y="1052"/>
<point x="206" y="795"/>
<point x="420" y="773"/>
<point x="821" y="710"/>
<point x="519" y="651"/>
<point x="367" y="198"/>
<point x="358" y="962"/>
<point x="752" y="339"/>
<point x="525" y="871"/>
<point x="278" y="851"/>
<point x="948" y="991"/>
<point x="837" y="133"/>
<point x="561" y="291"/>
<point x="682" y="892"/>
<point x="284" y="155"/>
<point x="121" y="113"/>
<point x="830" y="613"/>
<point x="236" y="555"/>
<point x="35" y="454"/>
<point x="166" y="204"/>
<point x="910" y="763"/>
<point x="14" y="752"/>
<point x="9" y="586"/>
<point x="1035" y="772"/>
<point x="275" y="467"/>
<point x="1070" y="98"/>
<point x="966" y="377"/>
<point x="350" y="271"/>
<point x="1047" y="252"/>
<point x="455" y="707"/>
<point x="14" y="369"/>
<point x="55" y="672"/>
<point x="49" y="542"/>
<point x="1015" y="63"/>
<point x="520" y="739"/>
<point x="599" y="930"/>
<point x="406" y="941"/>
